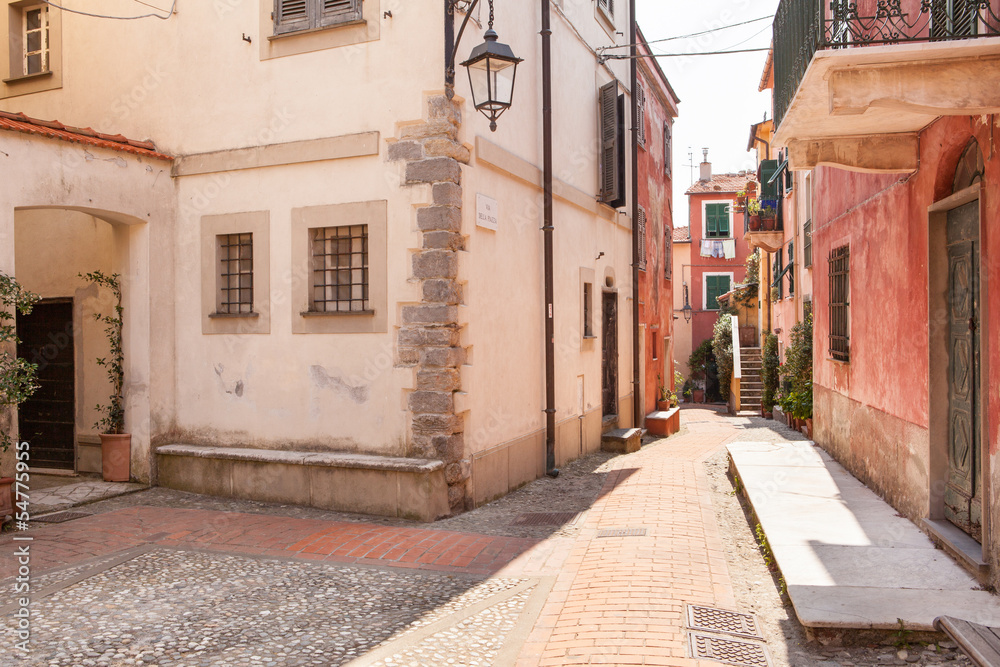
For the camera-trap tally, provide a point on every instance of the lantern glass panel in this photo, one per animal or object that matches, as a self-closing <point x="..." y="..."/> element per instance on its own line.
<point x="492" y="83"/>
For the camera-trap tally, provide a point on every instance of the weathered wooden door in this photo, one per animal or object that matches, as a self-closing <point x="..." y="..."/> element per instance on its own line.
<point x="963" y="502"/>
<point x="47" y="420"/>
<point x="609" y="354"/>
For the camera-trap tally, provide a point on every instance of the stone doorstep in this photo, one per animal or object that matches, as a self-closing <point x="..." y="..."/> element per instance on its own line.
<point x="849" y="561"/>
<point x="341" y="481"/>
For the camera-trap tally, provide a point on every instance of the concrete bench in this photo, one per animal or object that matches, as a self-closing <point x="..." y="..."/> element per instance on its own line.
<point x="980" y="642"/>
<point x="382" y="485"/>
<point x="664" y="422"/>
<point x="622" y="441"/>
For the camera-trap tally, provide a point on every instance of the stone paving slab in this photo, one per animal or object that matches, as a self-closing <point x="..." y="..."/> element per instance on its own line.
<point x="55" y="498"/>
<point x="848" y="559"/>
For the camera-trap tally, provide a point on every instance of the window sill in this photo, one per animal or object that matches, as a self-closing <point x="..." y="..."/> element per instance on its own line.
<point x="233" y="315"/>
<point x="336" y="313"/>
<point x="14" y="80"/>
<point x="591" y="337"/>
<point x="313" y="31"/>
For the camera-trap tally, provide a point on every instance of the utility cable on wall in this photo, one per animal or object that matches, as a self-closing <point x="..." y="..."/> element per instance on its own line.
<point x="117" y="18"/>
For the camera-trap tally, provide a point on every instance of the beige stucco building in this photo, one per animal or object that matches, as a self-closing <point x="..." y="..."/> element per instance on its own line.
<point x="332" y="271"/>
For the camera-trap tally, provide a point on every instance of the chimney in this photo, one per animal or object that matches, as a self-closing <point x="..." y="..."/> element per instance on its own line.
<point x="706" y="167"/>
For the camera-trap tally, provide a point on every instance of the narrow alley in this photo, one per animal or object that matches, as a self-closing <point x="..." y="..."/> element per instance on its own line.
<point x="598" y="566"/>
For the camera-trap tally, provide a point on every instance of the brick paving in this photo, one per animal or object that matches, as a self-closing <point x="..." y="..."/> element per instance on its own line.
<point x="621" y="600"/>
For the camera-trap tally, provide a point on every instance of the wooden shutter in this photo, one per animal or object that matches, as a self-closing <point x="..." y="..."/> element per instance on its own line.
<point x="608" y="6"/>
<point x="764" y="174"/>
<point x="668" y="148"/>
<point x="778" y="272"/>
<point x="611" y="192"/>
<point x="640" y="115"/>
<point x="291" y="15"/>
<point x="717" y="220"/>
<point x="640" y="229"/>
<point x="668" y="247"/>
<point x="790" y="269"/>
<point x="339" y="11"/>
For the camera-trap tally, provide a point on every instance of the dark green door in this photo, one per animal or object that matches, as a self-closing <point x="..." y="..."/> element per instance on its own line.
<point x="46" y="420"/>
<point x="963" y="502"/>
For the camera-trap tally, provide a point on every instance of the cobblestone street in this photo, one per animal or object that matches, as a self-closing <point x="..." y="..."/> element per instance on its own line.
<point x="594" y="567"/>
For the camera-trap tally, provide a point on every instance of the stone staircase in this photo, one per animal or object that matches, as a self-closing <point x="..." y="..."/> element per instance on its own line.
<point x="751" y="387"/>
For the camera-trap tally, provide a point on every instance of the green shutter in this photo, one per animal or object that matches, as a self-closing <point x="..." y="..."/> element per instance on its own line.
<point x="715" y="286"/>
<point x="766" y="171"/>
<point x="717" y="220"/>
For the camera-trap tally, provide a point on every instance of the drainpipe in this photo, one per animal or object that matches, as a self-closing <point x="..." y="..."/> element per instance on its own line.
<point x="550" y="352"/>
<point x="634" y="67"/>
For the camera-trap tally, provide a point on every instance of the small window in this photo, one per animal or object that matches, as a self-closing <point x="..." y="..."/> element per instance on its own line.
<point x="790" y="268"/>
<point x="640" y="115"/>
<point x="235" y="292"/>
<point x="339" y="269"/>
<point x="717" y="221"/>
<point x="778" y="271"/>
<point x="807" y="227"/>
<point x="298" y="15"/>
<point x="36" y="39"/>
<point x="588" y="310"/>
<point x="668" y="149"/>
<point x="840" y="303"/>
<point x="715" y="286"/>
<point x="640" y="229"/>
<point x="608" y="7"/>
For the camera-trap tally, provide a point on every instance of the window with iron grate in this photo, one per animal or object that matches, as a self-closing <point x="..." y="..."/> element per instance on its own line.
<point x="840" y="303"/>
<point x="340" y="281"/>
<point x="235" y="275"/>
<point x="640" y="229"/>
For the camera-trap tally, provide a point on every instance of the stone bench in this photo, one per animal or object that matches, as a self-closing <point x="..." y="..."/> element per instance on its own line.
<point x="381" y="485"/>
<point x="622" y="440"/>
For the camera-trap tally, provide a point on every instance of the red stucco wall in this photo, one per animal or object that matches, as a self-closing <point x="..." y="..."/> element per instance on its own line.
<point x="656" y="300"/>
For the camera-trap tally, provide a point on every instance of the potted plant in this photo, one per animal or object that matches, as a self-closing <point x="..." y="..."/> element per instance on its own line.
<point x="741" y="201"/>
<point x="17" y="376"/>
<point x="768" y="218"/>
<point x="662" y="396"/>
<point x="751" y="187"/>
<point x="753" y="215"/>
<point x="698" y="363"/>
<point x="116" y="445"/>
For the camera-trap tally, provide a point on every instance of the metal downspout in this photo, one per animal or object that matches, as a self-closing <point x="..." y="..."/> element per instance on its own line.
<point x="550" y="352"/>
<point x="637" y="408"/>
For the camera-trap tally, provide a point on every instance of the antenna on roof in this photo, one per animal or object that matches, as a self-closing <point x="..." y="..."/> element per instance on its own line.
<point x="691" y="163"/>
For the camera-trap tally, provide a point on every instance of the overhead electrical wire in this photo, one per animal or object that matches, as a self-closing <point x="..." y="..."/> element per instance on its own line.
<point x="685" y="55"/>
<point x="693" y="34"/>
<point x="117" y="18"/>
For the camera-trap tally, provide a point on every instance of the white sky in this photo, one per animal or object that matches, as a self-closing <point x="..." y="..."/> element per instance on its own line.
<point x="719" y="98"/>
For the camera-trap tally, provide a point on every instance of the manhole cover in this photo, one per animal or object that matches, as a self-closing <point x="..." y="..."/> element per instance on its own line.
<point x="545" y="519"/>
<point x="59" y="518"/>
<point x="722" y="620"/>
<point x="729" y="651"/>
<point x="621" y="532"/>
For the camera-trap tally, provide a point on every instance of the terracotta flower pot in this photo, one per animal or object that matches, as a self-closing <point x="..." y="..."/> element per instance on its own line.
<point x="809" y="428"/>
<point x="663" y="406"/>
<point x="769" y="415"/>
<point x="116" y="455"/>
<point x="755" y="225"/>
<point x="699" y="395"/>
<point x="6" y="498"/>
<point x="768" y="224"/>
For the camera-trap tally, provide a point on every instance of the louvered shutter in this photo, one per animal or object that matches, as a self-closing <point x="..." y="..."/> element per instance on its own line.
<point x="339" y="11"/>
<point x="640" y="115"/>
<point x="668" y="149"/>
<point x="640" y="229"/>
<point x="668" y="254"/>
<point x="291" y="15"/>
<point x="610" y="146"/>
<point x="608" y="6"/>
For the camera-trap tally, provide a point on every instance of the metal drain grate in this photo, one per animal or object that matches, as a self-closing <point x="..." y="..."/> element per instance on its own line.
<point x="621" y="532"/>
<point x="59" y="518"/>
<point x="546" y="519"/>
<point x="711" y="619"/>
<point x="729" y="651"/>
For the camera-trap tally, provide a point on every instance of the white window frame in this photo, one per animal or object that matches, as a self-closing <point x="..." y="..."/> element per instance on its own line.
<point x="44" y="29"/>
<point x="704" y="286"/>
<point x="704" y="219"/>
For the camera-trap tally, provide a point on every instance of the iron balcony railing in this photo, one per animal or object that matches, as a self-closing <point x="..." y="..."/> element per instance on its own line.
<point x="802" y="27"/>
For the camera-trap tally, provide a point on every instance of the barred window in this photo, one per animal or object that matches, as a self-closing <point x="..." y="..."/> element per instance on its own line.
<point x="641" y="231"/>
<point x="235" y="293"/>
<point x="840" y="303"/>
<point x="340" y="281"/>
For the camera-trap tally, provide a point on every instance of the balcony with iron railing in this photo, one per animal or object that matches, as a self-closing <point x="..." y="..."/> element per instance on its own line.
<point x="855" y="81"/>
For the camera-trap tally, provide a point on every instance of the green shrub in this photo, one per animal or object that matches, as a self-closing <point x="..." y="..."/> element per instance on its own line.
<point x="797" y="370"/>
<point x="769" y="372"/>
<point x="17" y="376"/>
<point x="722" y="347"/>
<point x="698" y="363"/>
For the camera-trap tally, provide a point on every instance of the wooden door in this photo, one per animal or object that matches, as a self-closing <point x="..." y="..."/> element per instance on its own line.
<point x="963" y="502"/>
<point x="609" y="353"/>
<point x="47" y="420"/>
